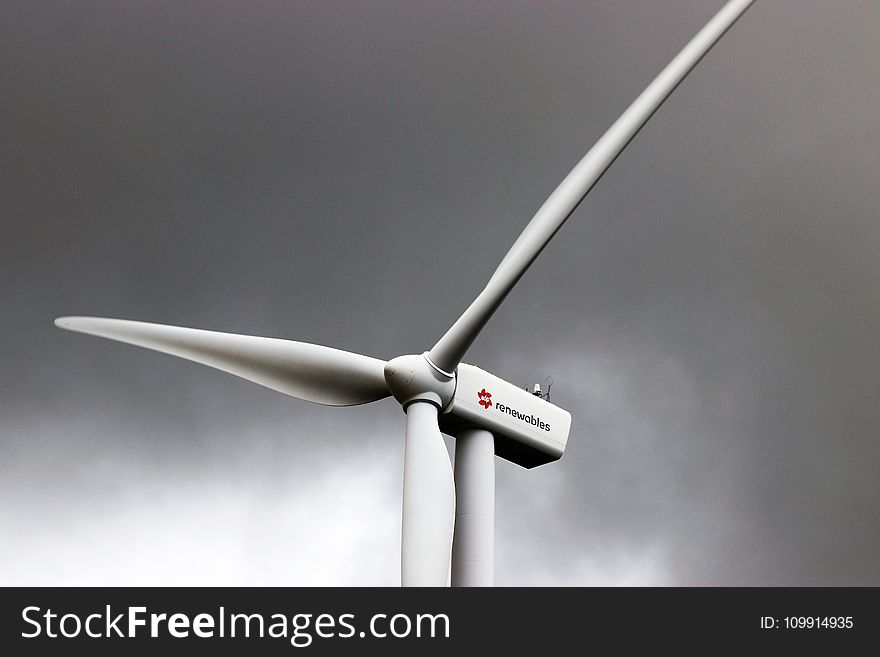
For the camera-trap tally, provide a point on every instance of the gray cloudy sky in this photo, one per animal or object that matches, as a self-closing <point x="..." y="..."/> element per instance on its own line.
<point x="350" y="174"/>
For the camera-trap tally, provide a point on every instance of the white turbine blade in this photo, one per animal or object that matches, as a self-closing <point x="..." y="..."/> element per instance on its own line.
<point x="428" y="501"/>
<point x="450" y="349"/>
<point x="306" y="371"/>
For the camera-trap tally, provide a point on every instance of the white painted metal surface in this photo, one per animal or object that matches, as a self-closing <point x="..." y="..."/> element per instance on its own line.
<point x="528" y="430"/>
<point x="473" y="550"/>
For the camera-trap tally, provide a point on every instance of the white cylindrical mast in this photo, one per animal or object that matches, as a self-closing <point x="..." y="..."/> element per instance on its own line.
<point x="473" y="546"/>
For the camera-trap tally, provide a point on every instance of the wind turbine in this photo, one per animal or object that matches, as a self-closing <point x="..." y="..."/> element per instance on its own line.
<point x="438" y="392"/>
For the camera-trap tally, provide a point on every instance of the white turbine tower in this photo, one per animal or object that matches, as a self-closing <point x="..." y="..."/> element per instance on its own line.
<point x="487" y="415"/>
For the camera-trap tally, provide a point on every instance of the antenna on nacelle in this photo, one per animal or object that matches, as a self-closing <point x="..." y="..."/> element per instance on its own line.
<point x="538" y="392"/>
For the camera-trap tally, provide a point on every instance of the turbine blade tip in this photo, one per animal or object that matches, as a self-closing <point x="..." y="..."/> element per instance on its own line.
<point x="69" y="322"/>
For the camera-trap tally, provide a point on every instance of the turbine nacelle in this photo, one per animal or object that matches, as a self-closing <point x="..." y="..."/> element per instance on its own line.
<point x="528" y="430"/>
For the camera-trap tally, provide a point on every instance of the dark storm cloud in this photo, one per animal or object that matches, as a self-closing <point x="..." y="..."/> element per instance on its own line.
<point x="349" y="174"/>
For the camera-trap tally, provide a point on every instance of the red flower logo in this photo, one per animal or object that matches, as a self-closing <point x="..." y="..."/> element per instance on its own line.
<point x="485" y="398"/>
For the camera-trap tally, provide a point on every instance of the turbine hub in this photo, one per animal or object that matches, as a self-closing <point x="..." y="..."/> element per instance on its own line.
<point x="413" y="378"/>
